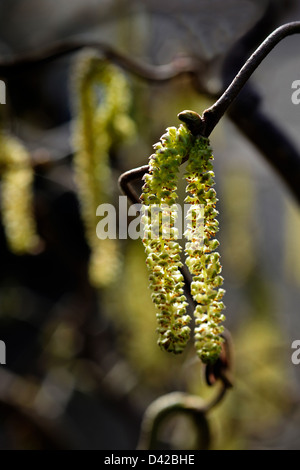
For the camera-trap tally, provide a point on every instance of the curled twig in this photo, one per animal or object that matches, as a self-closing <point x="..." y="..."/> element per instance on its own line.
<point x="181" y="403"/>
<point x="178" y="403"/>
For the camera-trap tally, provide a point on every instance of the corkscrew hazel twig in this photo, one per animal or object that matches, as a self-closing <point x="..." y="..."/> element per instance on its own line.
<point x="179" y="403"/>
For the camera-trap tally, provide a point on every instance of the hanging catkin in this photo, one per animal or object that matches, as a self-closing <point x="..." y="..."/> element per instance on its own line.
<point x="17" y="195"/>
<point x="103" y="100"/>
<point x="202" y="260"/>
<point x="161" y="246"/>
<point x="163" y="252"/>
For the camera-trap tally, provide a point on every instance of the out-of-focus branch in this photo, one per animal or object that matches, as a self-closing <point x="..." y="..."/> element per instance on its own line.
<point x="269" y="139"/>
<point x="37" y="406"/>
<point x="160" y="73"/>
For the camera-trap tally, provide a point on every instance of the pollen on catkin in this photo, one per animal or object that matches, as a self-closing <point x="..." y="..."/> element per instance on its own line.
<point x="160" y="238"/>
<point x="17" y="195"/>
<point x="202" y="260"/>
<point x="102" y="105"/>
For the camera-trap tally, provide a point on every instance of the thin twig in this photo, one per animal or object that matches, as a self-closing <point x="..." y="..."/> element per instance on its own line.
<point x="286" y="158"/>
<point x="127" y="178"/>
<point x="212" y="115"/>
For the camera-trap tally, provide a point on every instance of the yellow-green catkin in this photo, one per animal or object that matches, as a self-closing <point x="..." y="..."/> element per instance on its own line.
<point x="17" y="195"/>
<point x="160" y="239"/>
<point x="202" y="260"/>
<point x="103" y="101"/>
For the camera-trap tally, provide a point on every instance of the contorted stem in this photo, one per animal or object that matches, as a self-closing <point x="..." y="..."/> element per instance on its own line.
<point x="212" y="115"/>
<point x="173" y="404"/>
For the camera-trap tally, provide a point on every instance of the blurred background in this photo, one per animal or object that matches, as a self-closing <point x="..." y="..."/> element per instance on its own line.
<point x="82" y="364"/>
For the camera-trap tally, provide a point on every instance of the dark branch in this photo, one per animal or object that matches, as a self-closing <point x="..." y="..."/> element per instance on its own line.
<point x="213" y="114"/>
<point x="269" y="139"/>
<point x="286" y="161"/>
<point x="127" y="178"/>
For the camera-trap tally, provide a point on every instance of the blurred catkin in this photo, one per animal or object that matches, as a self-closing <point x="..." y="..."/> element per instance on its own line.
<point x="102" y="101"/>
<point x="17" y="195"/>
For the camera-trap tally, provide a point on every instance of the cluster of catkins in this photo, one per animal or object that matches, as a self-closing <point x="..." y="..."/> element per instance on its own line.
<point x="163" y="250"/>
<point x="101" y="108"/>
